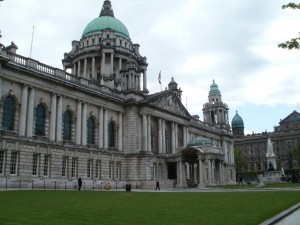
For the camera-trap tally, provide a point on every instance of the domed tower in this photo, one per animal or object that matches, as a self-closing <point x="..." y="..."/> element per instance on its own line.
<point x="237" y="125"/>
<point x="215" y="112"/>
<point x="173" y="86"/>
<point x="106" y="56"/>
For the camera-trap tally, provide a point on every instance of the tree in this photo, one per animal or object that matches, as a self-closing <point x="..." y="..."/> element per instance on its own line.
<point x="296" y="152"/>
<point x="294" y="43"/>
<point x="239" y="160"/>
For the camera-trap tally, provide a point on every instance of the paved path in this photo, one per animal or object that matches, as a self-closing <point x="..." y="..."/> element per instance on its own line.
<point x="292" y="219"/>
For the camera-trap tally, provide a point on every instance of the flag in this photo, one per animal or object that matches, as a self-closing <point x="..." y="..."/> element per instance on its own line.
<point x="159" y="77"/>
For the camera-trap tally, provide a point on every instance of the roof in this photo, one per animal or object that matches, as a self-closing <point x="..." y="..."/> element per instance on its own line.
<point x="199" y="141"/>
<point x="237" y="121"/>
<point x="105" y="23"/>
<point x="214" y="89"/>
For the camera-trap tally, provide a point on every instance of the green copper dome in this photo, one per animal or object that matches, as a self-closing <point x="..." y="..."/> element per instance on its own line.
<point x="199" y="141"/>
<point x="103" y="23"/>
<point x="237" y="121"/>
<point x="214" y="89"/>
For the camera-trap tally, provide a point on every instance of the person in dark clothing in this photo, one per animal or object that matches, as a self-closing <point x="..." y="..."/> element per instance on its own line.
<point x="157" y="185"/>
<point x="79" y="183"/>
<point x="240" y="180"/>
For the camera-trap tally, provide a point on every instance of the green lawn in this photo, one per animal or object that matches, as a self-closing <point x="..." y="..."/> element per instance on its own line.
<point x="141" y="208"/>
<point x="255" y="186"/>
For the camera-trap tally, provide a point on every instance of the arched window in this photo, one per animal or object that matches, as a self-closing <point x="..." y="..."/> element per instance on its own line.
<point x="111" y="135"/>
<point x="8" y="116"/>
<point x="67" y="126"/>
<point x="91" y="131"/>
<point x="40" y="120"/>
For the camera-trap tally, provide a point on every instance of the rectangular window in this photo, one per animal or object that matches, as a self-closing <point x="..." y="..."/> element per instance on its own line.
<point x="89" y="168"/>
<point x="46" y="165"/>
<point x="64" y="167"/>
<point x="35" y="164"/>
<point x="1" y="162"/>
<point x="74" y="167"/>
<point x="118" y="175"/>
<point x="160" y="171"/>
<point x="13" y="163"/>
<point x="98" y="169"/>
<point x="111" y="164"/>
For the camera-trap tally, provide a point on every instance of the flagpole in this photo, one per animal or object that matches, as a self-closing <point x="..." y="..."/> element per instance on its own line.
<point x="31" y="41"/>
<point x="159" y="80"/>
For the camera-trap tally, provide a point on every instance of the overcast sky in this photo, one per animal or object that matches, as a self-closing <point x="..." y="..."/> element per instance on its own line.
<point x="234" y="42"/>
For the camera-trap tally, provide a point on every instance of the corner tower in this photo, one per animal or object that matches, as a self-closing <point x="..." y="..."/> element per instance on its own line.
<point x="237" y="125"/>
<point x="105" y="56"/>
<point x="215" y="112"/>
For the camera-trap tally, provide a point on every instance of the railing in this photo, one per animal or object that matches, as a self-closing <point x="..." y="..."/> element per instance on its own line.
<point x="58" y="73"/>
<point x="62" y="185"/>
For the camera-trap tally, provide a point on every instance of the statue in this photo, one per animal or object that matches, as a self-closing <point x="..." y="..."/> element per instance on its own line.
<point x="271" y="158"/>
<point x="271" y="167"/>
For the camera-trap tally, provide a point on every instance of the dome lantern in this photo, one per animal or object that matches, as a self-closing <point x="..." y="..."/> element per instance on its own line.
<point x="106" y="21"/>
<point x="107" y="9"/>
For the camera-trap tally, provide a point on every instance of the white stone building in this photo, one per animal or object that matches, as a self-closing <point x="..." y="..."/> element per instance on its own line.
<point x="99" y="122"/>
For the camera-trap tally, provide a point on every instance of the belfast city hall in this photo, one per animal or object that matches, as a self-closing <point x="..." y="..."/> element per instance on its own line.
<point x="95" y="118"/>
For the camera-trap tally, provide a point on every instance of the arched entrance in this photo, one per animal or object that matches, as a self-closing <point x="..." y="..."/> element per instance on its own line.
<point x="189" y="158"/>
<point x="172" y="171"/>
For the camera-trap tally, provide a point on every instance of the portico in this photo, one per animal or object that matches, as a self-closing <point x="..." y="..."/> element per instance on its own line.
<point x="199" y="165"/>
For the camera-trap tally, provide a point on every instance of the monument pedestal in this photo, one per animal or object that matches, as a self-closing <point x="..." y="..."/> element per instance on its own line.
<point x="271" y="177"/>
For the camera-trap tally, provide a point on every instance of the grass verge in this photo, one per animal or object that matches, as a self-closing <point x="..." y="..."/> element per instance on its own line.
<point x="130" y="208"/>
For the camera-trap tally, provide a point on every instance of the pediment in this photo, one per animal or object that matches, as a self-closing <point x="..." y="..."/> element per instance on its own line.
<point x="170" y="102"/>
<point x="293" y="117"/>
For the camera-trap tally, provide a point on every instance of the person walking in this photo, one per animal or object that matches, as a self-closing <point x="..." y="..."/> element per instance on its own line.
<point x="157" y="185"/>
<point x="79" y="183"/>
<point x="240" y="180"/>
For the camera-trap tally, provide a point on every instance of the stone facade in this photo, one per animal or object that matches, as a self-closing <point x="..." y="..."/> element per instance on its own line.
<point x="95" y="119"/>
<point x="285" y="138"/>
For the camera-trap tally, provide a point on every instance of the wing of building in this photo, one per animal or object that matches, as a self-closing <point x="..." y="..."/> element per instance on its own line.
<point x="95" y="119"/>
<point x="253" y="147"/>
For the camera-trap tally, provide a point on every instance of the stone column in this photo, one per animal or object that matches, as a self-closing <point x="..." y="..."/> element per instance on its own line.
<point x="209" y="172"/>
<point x="85" y="68"/>
<point x="111" y="63"/>
<point x="232" y="152"/>
<point x="120" y="131"/>
<point x="100" y="138"/>
<point x="84" y="125"/>
<point x="93" y="68"/>
<point x="213" y="171"/>
<point x="120" y="68"/>
<point x="105" y="131"/>
<point x="159" y="136"/>
<point x="130" y="82"/>
<point x="176" y="137"/>
<point x="79" y="68"/>
<point x="200" y="172"/>
<point x="149" y="133"/>
<point x="139" y="84"/>
<point x="173" y="138"/>
<point x="221" y="171"/>
<point x="144" y="139"/>
<point x="145" y="80"/>
<point x="59" y="118"/>
<point x="78" y="123"/>
<point x="74" y="69"/>
<point x="23" y="115"/>
<point x="180" y="173"/>
<point x="163" y="136"/>
<point x="30" y="113"/>
<point x="102" y="64"/>
<point x="53" y="117"/>
<point x="0" y="87"/>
